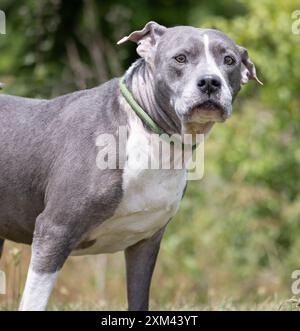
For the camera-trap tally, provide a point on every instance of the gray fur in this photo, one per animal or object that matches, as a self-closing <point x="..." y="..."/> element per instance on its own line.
<point x="48" y="171"/>
<point x="140" y="263"/>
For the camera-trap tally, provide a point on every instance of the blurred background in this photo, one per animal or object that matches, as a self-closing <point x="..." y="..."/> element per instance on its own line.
<point x="236" y="239"/>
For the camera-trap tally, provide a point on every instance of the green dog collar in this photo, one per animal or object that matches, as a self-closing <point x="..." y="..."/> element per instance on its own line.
<point x="142" y="114"/>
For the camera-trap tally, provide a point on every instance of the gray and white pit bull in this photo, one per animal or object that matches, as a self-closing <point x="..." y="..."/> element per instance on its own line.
<point x="52" y="194"/>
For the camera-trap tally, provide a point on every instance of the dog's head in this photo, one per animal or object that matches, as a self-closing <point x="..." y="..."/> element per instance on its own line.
<point x="197" y="72"/>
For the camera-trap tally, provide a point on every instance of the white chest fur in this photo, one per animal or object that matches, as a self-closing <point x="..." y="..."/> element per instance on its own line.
<point x="151" y="197"/>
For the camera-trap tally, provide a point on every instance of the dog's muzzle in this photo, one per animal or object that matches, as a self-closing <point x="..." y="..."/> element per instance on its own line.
<point x="208" y="110"/>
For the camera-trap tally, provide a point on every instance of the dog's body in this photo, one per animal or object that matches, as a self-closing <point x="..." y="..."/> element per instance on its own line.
<point x="52" y="194"/>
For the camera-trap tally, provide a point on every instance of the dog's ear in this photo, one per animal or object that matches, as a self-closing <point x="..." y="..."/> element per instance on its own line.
<point x="248" y="70"/>
<point x="147" y="39"/>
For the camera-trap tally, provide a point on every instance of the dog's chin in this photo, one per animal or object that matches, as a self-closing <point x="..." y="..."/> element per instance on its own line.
<point x="207" y="111"/>
<point x="201" y="117"/>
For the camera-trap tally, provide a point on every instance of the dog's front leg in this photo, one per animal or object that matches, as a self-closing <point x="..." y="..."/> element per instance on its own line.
<point x="37" y="290"/>
<point x="140" y="263"/>
<point x="51" y="246"/>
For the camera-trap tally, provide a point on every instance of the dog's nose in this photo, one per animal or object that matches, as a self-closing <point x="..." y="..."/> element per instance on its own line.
<point x="209" y="84"/>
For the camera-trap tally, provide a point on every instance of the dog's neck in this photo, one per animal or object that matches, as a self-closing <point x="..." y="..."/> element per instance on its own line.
<point x="139" y="80"/>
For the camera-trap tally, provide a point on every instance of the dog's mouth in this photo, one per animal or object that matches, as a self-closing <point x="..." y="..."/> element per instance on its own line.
<point x="208" y="105"/>
<point x="208" y="110"/>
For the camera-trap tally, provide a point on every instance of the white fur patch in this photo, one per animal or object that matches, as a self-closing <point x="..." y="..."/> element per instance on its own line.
<point x="213" y="68"/>
<point x="37" y="290"/>
<point x="151" y="197"/>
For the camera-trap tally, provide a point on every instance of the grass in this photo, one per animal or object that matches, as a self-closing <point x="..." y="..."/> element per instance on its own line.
<point x="226" y="305"/>
<point x="86" y="279"/>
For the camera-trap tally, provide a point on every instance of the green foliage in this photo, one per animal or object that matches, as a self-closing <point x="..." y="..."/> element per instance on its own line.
<point x="246" y="210"/>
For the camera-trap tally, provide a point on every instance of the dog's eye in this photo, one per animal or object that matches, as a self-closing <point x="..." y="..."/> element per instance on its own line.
<point x="229" y="60"/>
<point x="180" y="58"/>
